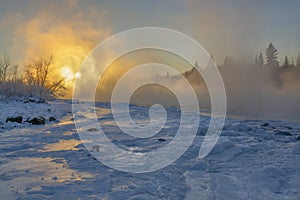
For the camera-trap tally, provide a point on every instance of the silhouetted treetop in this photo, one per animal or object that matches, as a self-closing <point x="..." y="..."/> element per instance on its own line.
<point x="286" y="62"/>
<point x="271" y="56"/>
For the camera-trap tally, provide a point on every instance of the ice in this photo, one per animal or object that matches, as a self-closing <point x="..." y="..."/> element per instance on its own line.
<point x="252" y="159"/>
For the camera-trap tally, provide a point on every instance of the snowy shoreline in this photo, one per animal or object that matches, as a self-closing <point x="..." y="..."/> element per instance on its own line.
<point x="253" y="159"/>
<point x="56" y="109"/>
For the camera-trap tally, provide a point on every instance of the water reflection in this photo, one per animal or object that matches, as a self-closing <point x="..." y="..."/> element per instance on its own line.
<point x="30" y="174"/>
<point x="62" y="145"/>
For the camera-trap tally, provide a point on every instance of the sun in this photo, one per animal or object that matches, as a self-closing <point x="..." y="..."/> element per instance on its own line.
<point x="77" y="75"/>
<point x="67" y="73"/>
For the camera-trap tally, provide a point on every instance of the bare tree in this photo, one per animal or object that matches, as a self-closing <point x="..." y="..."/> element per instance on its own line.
<point x="14" y="73"/>
<point x="4" y="67"/>
<point x="37" y="77"/>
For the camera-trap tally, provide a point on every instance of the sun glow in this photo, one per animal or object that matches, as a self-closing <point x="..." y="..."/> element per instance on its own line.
<point x="67" y="73"/>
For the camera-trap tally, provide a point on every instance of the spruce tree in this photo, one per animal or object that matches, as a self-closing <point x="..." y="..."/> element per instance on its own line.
<point x="260" y="60"/>
<point x="286" y="62"/>
<point x="256" y="60"/>
<point x="271" y="56"/>
<point x="298" y="61"/>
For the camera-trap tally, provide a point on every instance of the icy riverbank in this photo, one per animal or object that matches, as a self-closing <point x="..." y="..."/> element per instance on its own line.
<point x="253" y="160"/>
<point x="17" y="108"/>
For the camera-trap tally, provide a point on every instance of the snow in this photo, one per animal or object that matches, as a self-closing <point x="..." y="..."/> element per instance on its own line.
<point x="14" y="108"/>
<point x="253" y="159"/>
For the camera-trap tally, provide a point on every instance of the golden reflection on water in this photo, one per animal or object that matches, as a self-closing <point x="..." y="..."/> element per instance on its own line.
<point x="32" y="173"/>
<point x="102" y="111"/>
<point x="62" y="145"/>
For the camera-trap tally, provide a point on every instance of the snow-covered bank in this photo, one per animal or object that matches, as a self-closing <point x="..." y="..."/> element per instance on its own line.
<point x="253" y="159"/>
<point x="56" y="109"/>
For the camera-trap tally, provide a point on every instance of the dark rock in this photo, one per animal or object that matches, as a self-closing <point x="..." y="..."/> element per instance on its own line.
<point x="35" y="100"/>
<point x="49" y="110"/>
<point x="40" y="100"/>
<point x="284" y="133"/>
<point x="18" y="119"/>
<point x="265" y="124"/>
<point x="36" y="120"/>
<point x="95" y="148"/>
<point x="298" y="137"/>
<point x="162" y="140"/>
<point x="51" y="119"/>
<point x="31" y="99"/>
<point x="92" y="129"/>
<point x="288" y="127"/>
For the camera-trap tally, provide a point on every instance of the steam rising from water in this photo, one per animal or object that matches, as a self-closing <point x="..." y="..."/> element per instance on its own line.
<point x="252" y="91"/>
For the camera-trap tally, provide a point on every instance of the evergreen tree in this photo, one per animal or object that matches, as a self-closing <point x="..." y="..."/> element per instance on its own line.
<point x="298" y="61"/>
<point x="286" y="62"/>
<point x="260" y="60"/>
<point x="256" y="60"/>
<point x="271" y="56"/>
<point x="227" y="61"/>
<point x="292" y="62"/>
<point x="196" y="65"/>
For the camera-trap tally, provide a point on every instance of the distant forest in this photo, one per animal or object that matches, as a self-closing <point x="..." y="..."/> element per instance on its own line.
<point x="266" y="65"/>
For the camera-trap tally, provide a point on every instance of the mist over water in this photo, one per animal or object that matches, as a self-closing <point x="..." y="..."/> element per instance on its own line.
<point x="224" y="28"/>
<point x="262" y="92"/>
<point x="252" y="91"/>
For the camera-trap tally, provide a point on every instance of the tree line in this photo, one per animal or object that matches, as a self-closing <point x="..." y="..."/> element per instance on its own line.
<point x="271" y="59"/>
<point x="33" y="81"/>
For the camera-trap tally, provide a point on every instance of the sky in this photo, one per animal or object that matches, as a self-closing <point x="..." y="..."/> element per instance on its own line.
<point x="236" y="28"/>
<point x="241" y="29"/>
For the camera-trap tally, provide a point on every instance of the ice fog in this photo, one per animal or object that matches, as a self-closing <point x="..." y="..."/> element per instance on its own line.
<point x="252" y="91"/>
